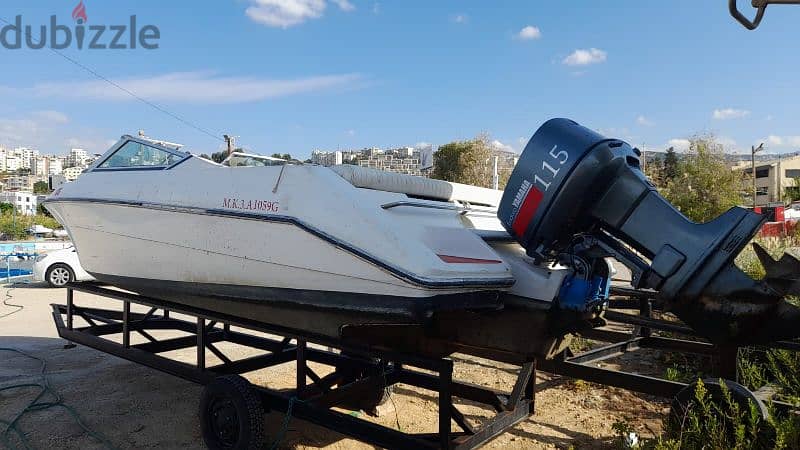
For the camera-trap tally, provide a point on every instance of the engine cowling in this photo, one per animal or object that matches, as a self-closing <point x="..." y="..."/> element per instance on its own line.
<point x="576" y="195"/>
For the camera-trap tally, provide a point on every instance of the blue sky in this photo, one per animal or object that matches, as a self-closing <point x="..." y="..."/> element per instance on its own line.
<point x="295" y="75"/>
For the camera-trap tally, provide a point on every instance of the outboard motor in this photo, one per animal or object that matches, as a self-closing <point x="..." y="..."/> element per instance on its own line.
<point x="576" y="196"/>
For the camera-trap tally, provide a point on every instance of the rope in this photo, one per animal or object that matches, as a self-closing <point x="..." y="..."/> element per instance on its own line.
<point x="9" y="297"/>
<point x="39" y="404"/>
<point x="286" y="419"/>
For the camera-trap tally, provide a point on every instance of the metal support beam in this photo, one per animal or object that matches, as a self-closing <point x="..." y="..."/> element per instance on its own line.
<point x="301" y="368"/>
<point x="445" y="403"/>
<point x="201" y="343"/>
<point x="70" y="306"/>
<point x="126" y="324"/>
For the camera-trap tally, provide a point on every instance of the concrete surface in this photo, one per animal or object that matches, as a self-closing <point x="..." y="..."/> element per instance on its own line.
<point x="137" y="407"/>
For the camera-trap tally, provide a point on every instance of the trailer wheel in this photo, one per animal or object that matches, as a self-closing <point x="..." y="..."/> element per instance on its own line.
<point x="231" y="415"/>
<point x="350" y="374"/>
<point x="686" y="397"/>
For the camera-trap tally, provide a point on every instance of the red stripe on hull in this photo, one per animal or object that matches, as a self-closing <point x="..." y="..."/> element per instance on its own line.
<point x="461" y="260"/>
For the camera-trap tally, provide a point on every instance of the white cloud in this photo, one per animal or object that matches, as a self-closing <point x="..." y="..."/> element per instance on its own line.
<point x="773" y="140"/>
<point x="344" y="5"/>
<point x="191" y="87"/>
<point x="351" y="132"/>
<point x="584" y="57"/>
<point x="288" y="13"/>
<point x="497" y="145"/>
<point x="46" y="132"/>
<point x="644" y="121"/>
<point x="730" y="113"/>
<point x="460" y="18"/>
<point x="529" y="33"/>
<point x="51" y="116"/>
<point x="680" y="145"/>
<point x="784" y="142"/>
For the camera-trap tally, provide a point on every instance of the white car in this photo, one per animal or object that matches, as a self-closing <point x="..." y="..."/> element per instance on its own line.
<point x="59" y="267"/>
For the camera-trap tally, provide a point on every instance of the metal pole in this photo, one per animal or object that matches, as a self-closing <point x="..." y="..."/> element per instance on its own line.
<point x="229" y="140"/>
<point x="495" y="176"/>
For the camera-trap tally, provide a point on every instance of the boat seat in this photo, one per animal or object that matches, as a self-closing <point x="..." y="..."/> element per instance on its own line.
<point x="379" y="180"/>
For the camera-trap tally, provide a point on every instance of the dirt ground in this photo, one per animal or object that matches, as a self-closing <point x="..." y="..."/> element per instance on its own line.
<point x="137" y="407"/>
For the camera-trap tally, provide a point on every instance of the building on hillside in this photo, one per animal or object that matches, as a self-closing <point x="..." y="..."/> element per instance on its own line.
<point x="23" y="156"/>
<point x="77" y="157"/>
<point x="774" y="179"/>
<point x="24" y="202"/>
<point x="11" y="163"/>
<point x="327" y="158"/>
<point x="20" y="183"/>
<point x="400" y="160"/>
<point x="55" y="166"/>
<point x="506" y="161"/>
<point x="72" y="173"/>
<point x="44" y="166"/>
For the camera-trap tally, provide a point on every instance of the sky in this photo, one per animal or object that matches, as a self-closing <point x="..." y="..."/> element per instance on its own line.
<point x="290" y="76"/>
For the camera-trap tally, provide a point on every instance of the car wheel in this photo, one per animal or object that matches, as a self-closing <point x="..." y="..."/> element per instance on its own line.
<point x="58" y="275"/>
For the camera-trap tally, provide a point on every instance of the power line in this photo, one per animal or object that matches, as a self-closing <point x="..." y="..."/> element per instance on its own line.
<point x="125" y="90"/>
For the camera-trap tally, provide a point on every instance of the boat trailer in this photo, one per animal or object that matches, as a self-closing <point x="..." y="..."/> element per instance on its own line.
<point x="232" y="409"/>
<point x="636" y="308"/>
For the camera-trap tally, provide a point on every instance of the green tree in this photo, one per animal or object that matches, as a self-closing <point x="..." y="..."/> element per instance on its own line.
<point x="792" y="193"/>
<point x="654" y="170"/>
<point x="218" y="157"/>
<point x="704" y="186"/>
<point x="671" y="169"/>
<point x="41" y="187"/>
<point x="285" y="156"/>
<point x="6" y="208"/>
<point x="464" y="162"/>
<point x="205" y="156"/>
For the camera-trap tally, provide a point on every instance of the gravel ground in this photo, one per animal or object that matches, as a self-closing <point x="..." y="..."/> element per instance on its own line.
<point x="136" y="407"/>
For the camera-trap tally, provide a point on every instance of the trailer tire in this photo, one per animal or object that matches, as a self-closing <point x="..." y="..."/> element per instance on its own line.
<point x="231" y="415"/>
<point x="373" y="399"/>
<point x="682" y="402"/>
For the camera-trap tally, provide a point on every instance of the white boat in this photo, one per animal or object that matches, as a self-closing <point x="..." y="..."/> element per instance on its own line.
<point x="417" y="264"/>
<point x="299" y="244"/>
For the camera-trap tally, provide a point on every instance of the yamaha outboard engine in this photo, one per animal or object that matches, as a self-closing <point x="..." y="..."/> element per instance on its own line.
<point x="576" y="196"/>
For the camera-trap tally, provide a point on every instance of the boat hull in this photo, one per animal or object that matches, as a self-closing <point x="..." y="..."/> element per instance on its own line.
<point x="191" y="246"/>
<point x="516" y="329"/>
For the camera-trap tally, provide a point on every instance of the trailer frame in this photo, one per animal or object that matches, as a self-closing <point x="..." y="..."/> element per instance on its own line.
<point x="313" y="396"/>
